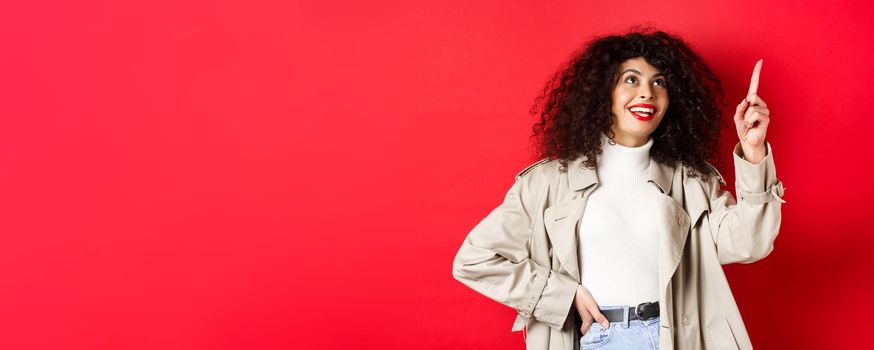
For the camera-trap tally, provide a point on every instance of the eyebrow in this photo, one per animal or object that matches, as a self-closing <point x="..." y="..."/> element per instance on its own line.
<point x="638" y="73"/>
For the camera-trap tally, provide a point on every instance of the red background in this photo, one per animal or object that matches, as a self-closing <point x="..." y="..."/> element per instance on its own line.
<point x="253" y="175"/>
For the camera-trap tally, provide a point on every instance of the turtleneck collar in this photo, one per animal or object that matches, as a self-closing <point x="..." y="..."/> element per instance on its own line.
<point x="624" y="160"/>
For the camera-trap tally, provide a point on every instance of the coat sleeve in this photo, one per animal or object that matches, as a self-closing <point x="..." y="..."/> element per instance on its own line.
<point x="745" y="231"/>
<point x="494" y="261"/>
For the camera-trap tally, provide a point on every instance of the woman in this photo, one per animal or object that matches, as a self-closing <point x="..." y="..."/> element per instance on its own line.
<point x="615" y="239"/>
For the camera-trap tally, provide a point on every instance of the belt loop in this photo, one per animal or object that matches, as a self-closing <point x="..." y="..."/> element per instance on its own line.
<point x="625" y="311"/>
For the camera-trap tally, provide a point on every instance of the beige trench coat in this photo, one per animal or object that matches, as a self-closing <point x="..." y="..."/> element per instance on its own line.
<point x="523" y="254"/>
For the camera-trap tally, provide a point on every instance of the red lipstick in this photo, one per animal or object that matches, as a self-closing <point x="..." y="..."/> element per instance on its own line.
<point x="643" y="116"/>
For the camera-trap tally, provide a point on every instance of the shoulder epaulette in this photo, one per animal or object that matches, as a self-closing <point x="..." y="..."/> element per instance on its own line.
<point x="718" y="175"/>
<point x="532" y="166"/>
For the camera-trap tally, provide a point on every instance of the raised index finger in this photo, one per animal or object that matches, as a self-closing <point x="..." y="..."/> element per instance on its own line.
<point x="754" y="81"/>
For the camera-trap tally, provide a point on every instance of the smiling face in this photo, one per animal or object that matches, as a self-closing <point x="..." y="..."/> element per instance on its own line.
<point x="640" y="100"/>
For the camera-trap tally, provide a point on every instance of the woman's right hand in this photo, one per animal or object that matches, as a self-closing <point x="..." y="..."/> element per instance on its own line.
<point x="588" y="309"/>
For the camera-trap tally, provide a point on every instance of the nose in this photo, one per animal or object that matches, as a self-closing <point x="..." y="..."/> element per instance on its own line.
<point x="646" y="92"/>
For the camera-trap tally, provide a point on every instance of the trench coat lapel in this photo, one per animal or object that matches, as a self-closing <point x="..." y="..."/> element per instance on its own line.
<point x="562" y="220"/>
<point x="561" y="226"/>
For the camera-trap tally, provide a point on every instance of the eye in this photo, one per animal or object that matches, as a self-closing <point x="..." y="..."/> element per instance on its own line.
<point x="631" y="79"/>
<point x="659" y="82"/>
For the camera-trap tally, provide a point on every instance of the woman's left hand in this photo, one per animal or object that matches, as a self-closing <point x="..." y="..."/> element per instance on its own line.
<point x="751" y="120"/>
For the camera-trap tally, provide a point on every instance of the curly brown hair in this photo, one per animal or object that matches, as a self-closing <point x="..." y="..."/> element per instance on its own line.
<point x="575" y="105"/>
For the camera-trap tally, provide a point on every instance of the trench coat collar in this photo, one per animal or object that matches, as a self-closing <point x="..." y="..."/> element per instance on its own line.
<point x="581" y="177"/>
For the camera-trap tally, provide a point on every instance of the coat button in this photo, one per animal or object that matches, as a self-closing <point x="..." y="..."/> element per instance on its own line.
<point x="682" y="220"/>
<point x="686" y="320"/>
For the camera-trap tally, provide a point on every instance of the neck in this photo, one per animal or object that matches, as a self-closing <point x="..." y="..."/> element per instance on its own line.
<point x="629" y="140"/>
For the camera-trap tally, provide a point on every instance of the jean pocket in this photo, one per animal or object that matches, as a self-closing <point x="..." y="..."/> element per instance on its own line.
<point x="596" y="336"/>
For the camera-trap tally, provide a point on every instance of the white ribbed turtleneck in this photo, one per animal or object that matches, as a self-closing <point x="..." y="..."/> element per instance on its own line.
<point x="619" y="236"/>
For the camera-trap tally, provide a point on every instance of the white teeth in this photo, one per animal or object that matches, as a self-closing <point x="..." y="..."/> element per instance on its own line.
<point x="642" y="109"/>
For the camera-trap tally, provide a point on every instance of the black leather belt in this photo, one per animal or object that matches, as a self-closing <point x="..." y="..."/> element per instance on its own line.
<point x="644" y="311"/>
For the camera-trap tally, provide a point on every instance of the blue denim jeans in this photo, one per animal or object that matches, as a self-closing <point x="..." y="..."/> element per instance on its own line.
<point x="627" y="334"/>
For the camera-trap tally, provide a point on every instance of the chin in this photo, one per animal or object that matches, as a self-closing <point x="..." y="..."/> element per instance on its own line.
<point x="642" y="133"/>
